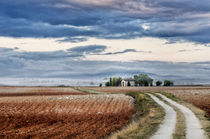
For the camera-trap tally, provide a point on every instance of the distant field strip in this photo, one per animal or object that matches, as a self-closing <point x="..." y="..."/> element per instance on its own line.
<point x="167" y="127"/>
<point x="82" y="116"/>
<point x="38" y="91"/>
<point x="193" y="126"/>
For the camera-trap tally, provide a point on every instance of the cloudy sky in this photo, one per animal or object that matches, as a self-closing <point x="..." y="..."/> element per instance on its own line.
<point x="95" y="39"/>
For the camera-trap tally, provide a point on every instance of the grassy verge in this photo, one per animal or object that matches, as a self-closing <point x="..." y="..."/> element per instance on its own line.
<point x="205" y="122"/>
<point x="87" y="90"/>
<point x="145" y="122"/>
<point x="180" y="120"/>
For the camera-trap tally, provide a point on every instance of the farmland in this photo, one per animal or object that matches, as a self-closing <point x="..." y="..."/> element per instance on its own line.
<point x="63" y="112"/>
<point x="62" y="116"/>
<point x="199" y="96"/>
<point x="37" y="91"/>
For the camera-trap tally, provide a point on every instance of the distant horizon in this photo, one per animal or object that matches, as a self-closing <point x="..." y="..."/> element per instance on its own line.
<point x="53" y="82"/>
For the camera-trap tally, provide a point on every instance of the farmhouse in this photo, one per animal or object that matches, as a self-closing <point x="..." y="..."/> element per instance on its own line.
<point x="127" y="82"/>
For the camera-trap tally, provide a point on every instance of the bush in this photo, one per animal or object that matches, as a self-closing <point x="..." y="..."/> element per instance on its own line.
<point x="159" y="83"/>
<point x="168" y="83"/>
<point x="129" y="84"/>
<point x="107" y="84"/>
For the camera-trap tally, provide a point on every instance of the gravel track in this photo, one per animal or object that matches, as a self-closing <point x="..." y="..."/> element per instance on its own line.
<point x="193" y="127"/>
<point x="167" y="127"/>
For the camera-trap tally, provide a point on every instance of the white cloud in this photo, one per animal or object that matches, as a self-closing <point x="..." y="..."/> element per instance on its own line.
<point x="159" y="48"/>
<point x="145" y="27"/>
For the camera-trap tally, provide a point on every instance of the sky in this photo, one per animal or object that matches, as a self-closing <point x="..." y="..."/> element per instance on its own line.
<point x="91" y="40"/>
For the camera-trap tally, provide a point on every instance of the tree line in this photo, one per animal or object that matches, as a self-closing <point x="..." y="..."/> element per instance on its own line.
<point x="140" y="80"/>
<point x="114" y="81"/>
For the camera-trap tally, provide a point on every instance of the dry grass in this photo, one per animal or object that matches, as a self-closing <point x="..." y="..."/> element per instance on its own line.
<point x="145" y="122"/>
<point x="84" y="116"/>
<point x="180" y="126"/>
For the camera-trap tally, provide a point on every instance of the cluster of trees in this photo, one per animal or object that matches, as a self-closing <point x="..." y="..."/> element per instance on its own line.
<point x="114" y="81"/>
<point x="166" y="83"/>
<point x="140" y="80"/>
<point x="143" y="80"/>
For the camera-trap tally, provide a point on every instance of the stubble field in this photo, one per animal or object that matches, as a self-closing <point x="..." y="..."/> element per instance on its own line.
<point x="62" y="112"/>
<point x="63" y="116"/>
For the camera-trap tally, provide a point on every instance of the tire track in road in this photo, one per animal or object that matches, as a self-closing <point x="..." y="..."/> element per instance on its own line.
<point x="168" y="125"/>
<point x="193" y="127"/>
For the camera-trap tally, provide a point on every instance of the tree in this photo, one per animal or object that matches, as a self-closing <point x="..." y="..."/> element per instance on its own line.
<point x="145" y="83"/>
<point x="159" y="83"/>
<point x="114" y="81"/>
<point x="100" y="85"/>
<point x="143" y="80"/>
<point x="110" y="82"/>
<point x="136" y="80"/>
<point x="129" y="84"/>
<point x="107" y="84"/>
<point x="118" y="81"/>
<point x="168" y="83"/>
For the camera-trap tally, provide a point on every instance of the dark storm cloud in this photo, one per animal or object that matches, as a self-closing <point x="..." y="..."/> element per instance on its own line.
<point x="72" y="40"/>
<point x="113" y="19"/>
<point x="88" y="49"/>
<point x="75" y="52"/>
<point x="61" y="64"/>
<point x="121" y="52"/>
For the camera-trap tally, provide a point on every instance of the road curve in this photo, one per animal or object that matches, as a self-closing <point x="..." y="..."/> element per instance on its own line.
<point x="194" y="128"/>
<point x="167" y="127"/>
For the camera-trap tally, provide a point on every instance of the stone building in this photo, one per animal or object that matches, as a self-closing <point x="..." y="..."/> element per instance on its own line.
<point x="125" y="82"/>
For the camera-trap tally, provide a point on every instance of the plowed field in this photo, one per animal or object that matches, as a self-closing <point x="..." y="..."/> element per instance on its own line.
<point x="72" y="116"/>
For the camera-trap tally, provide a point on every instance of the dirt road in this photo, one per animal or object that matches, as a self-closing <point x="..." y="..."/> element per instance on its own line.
<point x="193" y="127"/>
<point x="167" y="127"/>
